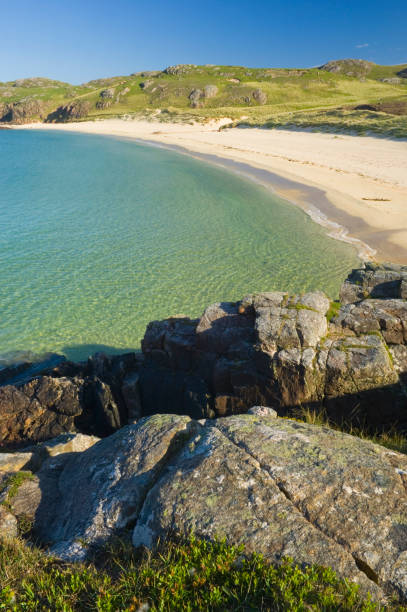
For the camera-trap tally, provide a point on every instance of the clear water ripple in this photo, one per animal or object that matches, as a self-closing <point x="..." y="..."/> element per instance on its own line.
<point x="99" y="236"/>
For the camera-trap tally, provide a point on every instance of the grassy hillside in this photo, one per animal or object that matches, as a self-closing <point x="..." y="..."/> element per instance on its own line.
<point x="262" y="96"/>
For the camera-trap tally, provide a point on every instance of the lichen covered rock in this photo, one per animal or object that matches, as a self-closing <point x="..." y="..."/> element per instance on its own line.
<point x="277" y="486"/>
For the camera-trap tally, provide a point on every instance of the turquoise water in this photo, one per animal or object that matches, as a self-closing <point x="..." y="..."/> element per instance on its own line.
<point x="99" y="236"/>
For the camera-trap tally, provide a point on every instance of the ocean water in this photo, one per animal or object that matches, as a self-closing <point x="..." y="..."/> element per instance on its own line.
<point x="99" y="236"/>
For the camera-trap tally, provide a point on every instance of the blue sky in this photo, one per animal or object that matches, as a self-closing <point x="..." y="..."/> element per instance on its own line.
<point x="80" y="40"/>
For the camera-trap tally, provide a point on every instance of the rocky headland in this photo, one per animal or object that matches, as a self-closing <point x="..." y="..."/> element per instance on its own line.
<point x="175" y="439"/>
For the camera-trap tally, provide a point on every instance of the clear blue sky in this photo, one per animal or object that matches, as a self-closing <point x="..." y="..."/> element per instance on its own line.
<point x="80" y="40"/>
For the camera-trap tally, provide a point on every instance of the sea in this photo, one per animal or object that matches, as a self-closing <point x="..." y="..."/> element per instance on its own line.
<point x="100" y="235"/>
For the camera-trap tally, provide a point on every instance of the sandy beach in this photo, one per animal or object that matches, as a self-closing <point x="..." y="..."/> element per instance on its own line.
<point x="355" y="186"/>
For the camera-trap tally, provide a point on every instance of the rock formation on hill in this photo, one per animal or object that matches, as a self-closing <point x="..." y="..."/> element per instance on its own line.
<point x="270" y="349"/>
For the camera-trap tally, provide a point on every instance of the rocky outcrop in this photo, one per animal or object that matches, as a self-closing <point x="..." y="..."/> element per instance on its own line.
<point x="277" y="486"/>
<point x="179" y="69"/>
<point x="23" y="111"/>
<point x="107" y="93"/>
<point x="195" y="97"/>
<point x="78" y="109"/>
<point x="210" y="91"/>
<point x="349" y="67"/>
<point x="280" y="350"/>
<point x="375" y="281"/>
<point x="74" y="398"/>
<point x="260" y="96"/>
<point x="268" y="349"/>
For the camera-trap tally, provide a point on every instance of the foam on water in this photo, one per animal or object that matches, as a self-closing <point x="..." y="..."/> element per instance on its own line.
<point x="99" y="236"/>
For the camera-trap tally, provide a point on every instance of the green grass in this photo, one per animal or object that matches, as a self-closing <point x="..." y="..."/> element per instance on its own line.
<point x="342" y="121"/>
<point x="333" y="310"/>
<point x="392" y="439"/>
<point x="311" y="98"/>
<point x="190" y="575"/>
<point x="11" y="485"/>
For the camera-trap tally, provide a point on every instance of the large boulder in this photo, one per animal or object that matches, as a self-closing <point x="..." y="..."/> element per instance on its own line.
<point x="277" y="486"/>
<point x="195" y="97"/>
<point x="112" y="480"/>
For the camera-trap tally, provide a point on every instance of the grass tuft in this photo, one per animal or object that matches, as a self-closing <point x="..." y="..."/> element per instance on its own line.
<point x="392" y="438"/>
<point x="190" y="575"/>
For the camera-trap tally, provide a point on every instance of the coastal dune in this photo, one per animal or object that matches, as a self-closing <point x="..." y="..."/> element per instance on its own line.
<point x="355" y="185"/>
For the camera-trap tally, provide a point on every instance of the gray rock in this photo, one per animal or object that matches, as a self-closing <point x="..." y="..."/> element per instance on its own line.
<point x="388" y="317"/>
<point x="179" y="69"/>
<point x="107" y="93"/>
<point x="278" y="349"/>
<point x="195" y="97"/>
<point x="65" y="443"/>
<point x="262" y="411"/>
<point x="374" y="280"/>
<point x="8" y="524"/>
<point x="210" y="91"/>
<point x="14" y="462"/>
<point x="279" y="487"/>
<point x="111" y="481"/>
<point x="260" y="96"/>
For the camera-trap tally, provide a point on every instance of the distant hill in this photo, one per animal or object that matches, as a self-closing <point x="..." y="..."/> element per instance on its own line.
<point x="187" y="91"/>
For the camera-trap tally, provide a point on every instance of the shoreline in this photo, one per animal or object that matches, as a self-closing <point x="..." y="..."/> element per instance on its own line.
<point x="376" y="226"/>
<point x="279" y="186"/>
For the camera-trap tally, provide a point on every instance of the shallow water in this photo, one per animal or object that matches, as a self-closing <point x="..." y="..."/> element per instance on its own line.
<point x="99" y="236"/>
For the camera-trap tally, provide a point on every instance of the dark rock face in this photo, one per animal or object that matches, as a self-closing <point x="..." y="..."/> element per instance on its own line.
<point x="278" y="487"/>
<point x="22" y="111"/>
<point x="40" y="409"/>
<point x="78" y="109"/>
<point x="375" y="281"/>
<point x="70" y="397"/>
<point x="279" y="350"/>
<point x="268" y="349"/>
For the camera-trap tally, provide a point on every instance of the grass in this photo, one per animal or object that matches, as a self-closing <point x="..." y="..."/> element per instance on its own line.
<point x="12" y="484"/>
<point x="392" y="439"/>
<point x="333" y="310"/>
<point x="189" y="575"/>
<point x="343" y="121"/>
<point x="310" y="98"/>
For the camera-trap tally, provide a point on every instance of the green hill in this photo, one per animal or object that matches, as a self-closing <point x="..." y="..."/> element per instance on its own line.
<point x="260" y="96"/>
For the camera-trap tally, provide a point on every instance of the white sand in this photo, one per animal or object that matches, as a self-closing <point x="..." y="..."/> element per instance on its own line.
<point x="352" y="171"/>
